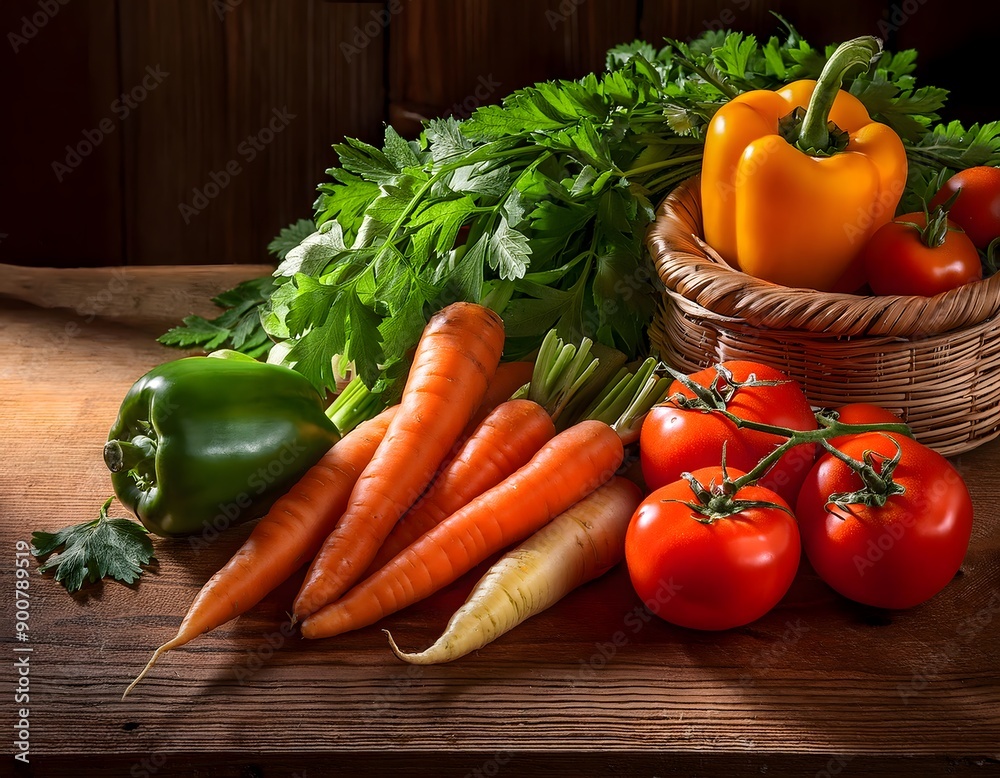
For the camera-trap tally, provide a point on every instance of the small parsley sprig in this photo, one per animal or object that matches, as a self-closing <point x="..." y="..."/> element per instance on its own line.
<point x="102" y="548"/>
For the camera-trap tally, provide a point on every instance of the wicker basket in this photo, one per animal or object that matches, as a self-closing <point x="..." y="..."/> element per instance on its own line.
<point x="934" y="360"/>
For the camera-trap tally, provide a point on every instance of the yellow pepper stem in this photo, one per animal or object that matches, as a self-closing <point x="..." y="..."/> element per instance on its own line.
<point x="814" y="135"/>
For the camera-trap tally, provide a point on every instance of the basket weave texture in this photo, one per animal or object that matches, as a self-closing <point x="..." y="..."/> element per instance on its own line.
<point x="934" y="360"/>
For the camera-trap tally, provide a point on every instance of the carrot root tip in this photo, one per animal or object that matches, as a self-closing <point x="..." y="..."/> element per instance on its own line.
<point x="400" y="654"/>
<point x="393" y="646"/>
<point x="156" y="655"/>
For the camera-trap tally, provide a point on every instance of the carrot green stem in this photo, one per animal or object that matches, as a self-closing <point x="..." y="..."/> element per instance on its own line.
<point x="626" y="401"/>
<point x="572" y="385"/>
<point x="561" y="371"/>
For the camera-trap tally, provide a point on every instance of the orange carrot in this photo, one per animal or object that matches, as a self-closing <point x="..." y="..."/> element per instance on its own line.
<point x="577" y="546"/>
<point x="283" y="540"/>
<point x="505" y="441"/>
<point x="455" y="360"/>
<point x="566" y="469"/>
<point x="510" y="377"/>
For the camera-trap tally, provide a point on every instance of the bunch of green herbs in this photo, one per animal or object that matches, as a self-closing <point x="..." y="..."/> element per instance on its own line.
<point x="536" y="207"/>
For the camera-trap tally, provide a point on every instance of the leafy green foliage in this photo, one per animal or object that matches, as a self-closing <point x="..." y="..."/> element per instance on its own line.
<point x="536" y="206"/>
<point x="291" y="236"/>
<point x="88" y="552"/>
<point x="237" y="327"/>
<point x="944" y="150"/>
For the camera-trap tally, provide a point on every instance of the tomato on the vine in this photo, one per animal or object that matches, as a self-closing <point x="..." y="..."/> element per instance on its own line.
<point x="917" y="254"/>
<point x="676" y="439"/>
<point x="977" y="207"/>
<point x="697" y="571"/>
<point x="895" y="555"/>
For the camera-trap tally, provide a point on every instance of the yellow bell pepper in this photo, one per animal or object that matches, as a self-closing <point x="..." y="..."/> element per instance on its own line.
<point x="795" y="181"/>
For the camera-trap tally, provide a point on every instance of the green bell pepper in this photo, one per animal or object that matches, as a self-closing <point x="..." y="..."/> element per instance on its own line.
<point x="203" y="443"/>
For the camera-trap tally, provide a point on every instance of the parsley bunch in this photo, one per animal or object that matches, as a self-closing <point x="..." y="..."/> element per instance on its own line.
<point x="537" y="207"/>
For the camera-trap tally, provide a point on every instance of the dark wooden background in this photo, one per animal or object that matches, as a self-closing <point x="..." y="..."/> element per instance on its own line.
<point x="320" y="71"/>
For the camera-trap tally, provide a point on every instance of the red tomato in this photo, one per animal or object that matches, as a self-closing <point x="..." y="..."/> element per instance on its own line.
<point x="864" y="413"/>
<point x="711" y="575"/>
<point x="897" y="260"/>
<point x="977" y="208"/>
<point x="898" y="555"/>
<point x="674" y="440"/>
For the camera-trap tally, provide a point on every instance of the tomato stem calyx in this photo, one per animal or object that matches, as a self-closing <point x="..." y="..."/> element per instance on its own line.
<point x="934" y="230"/>
<point x="879" y="485"/>
<point x="829" y="427"/>
<point x="716" y="396"/>
<point x="718" y="500"/>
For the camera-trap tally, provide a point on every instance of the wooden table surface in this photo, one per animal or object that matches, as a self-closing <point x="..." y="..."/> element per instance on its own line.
<point x="595" y="686"/>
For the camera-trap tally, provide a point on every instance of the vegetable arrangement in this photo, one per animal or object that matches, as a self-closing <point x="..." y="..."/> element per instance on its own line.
<point x="537" y="207"/>
<point x="486" y="288"/>
<point x="445" y="512"/>
<point x="285" y="539"/>
<point x="804" y="172"/>
<point x="454" y="363"/>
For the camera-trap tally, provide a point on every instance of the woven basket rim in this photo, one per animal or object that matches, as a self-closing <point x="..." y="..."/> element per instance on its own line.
<point x="689" y="267"/>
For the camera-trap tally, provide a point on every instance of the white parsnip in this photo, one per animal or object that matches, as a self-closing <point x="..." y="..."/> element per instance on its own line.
<point x="579" y="545"/>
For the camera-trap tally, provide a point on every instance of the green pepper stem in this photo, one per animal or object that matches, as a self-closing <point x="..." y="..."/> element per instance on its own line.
<point x="122" y="455"/>
<point x="814" y="133"/>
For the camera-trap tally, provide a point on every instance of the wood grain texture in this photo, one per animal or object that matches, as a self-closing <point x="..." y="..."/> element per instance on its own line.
<point x="594" y="686"/>
<point x="59" y="81"/>
<point x="149" y="298"/>
<point x="231" y="145"/>
<point x="447" y="58"/>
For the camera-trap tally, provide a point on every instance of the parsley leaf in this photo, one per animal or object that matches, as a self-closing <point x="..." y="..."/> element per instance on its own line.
<point x="102" y="548"/>
<point x="290" y="237"/>
<point x="944" y="150"/>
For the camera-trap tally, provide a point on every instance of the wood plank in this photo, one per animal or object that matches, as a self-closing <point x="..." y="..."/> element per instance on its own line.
<point x="177" y="135"/>
<point x="593" y="686"/>
<point x="287" y="70"/>
<point x="231" y="146"/>
<point x="60" y="84"/>
<point x="447" y="58"/>
<point x="146" y="297"/>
